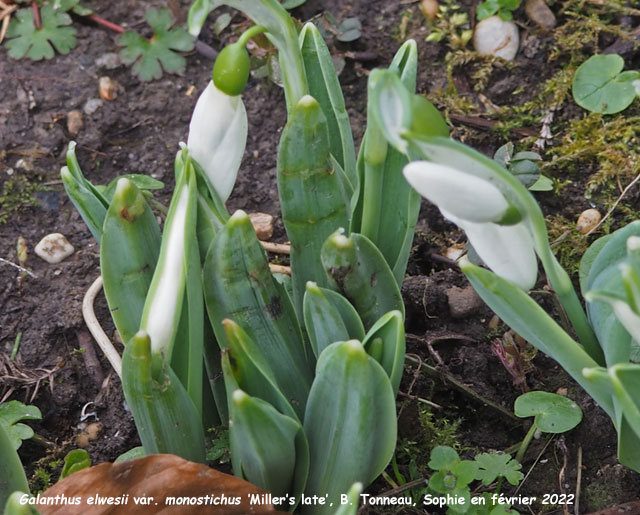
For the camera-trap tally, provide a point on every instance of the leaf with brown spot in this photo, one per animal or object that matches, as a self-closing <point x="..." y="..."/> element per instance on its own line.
<point x="160" y="476"/>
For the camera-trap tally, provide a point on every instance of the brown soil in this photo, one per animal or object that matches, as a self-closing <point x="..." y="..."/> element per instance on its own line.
<point x="138" y="133"/>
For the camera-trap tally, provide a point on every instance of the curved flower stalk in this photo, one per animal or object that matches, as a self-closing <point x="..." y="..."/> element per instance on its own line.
<point x="281" y="32"/>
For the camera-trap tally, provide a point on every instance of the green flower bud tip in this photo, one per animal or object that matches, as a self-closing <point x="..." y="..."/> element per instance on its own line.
<point x="231" y="69"/>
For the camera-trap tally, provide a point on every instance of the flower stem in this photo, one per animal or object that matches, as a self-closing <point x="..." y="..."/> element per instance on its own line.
<point x="106" y="23"/>
<point x="36" y="15"/>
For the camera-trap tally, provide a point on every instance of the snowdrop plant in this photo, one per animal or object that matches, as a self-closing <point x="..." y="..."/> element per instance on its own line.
<point x="506" y="228"/>
<point x="304" y="369"/>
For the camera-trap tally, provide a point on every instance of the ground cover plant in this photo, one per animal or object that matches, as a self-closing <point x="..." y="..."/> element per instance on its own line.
<point x="594" y="151"/>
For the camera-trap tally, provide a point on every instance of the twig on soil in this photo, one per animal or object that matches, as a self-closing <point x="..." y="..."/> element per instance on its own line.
<point x="205" y="50"/>
<point x="615" y="204"/>
<point x="13" y="376"/>
<point x="420" y="399"/>
<point x="106" y="23"/>
<point x="448" y="378"/>
<point x="407" y="486"/>
<point x="21" y="268"/>
<point x="484" y="123"/>
<point x="279" y="269"/>
<point x="560" y="444"/>
<point x="37" y="22"/>
<point x="89" y="356"/>
<point x="576" y="509"/>
<point x="276" y="248"/>
<point x="96" y="329"/>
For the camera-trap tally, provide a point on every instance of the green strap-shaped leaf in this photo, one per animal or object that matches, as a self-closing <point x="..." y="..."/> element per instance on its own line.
<point x="389" y="331"/>
<point x="86" y="198"/>
<point x="238" y="285"/>
<point x="12" y="476"/>
<point x="14" y="506"/>
<point x="325" y="88"/>
<point x="166" y="418"/>
<point x="618" y="380"/>
<point x="350" y="423"/>
<point x="329" y="318"/>
<point x="128" y="255"/>
<point x="262" y="444"/>
<point x="387" y="207"/>
<point x="250" y="372"/>
<point x="524" y="316"/>
<point x="312" y="205"/>
<point x="353" y="500"/>
<point x="357" y="270"/>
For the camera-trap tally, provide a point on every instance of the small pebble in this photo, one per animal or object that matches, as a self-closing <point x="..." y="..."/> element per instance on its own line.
<point x="494" y="36"/>
<point x="92" y="105"/>
<point x="462" y="301"/>
<point x="108" y="88"/>
<point x="108" y="61"/>
<point x="263" y="225"/>
<point x="24" y="164"/>
<point x="75" y="123"/>
<point x="454" y="252"/>
<point x="539" y="13"/>
<point x="587" y="220"/>
<point x="563" y="390"/>
<point x="54" y="248"/>
<point x="430" y="8"/>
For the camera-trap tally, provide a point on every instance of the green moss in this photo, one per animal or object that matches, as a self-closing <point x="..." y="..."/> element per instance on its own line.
<point x="17" y="192"/>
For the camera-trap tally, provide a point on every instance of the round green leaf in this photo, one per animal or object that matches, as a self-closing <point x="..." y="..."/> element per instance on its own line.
<point x="600" y="85"/>
<point x="553" y="413"/>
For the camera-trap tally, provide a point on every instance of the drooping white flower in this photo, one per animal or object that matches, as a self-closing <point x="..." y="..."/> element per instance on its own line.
<point x="476" y="205"/>
<point x="463" y="195"/>
<point x="218" y="136"/>
<point x="506" y="249"/>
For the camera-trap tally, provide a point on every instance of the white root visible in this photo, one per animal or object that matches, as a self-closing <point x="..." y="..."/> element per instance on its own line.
<point x="96" y="329"/>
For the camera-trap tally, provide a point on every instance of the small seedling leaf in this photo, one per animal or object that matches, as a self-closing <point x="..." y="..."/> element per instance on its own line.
<point x="24" y="40"/>
<point x="443" y="457"/>
<point x="494" y="465"/>
<point x="75" y="460"/>
<point x="553" y="413"/>
<point x="131" y="454"/>
<point x="465" y="472"/>
<point x="221" y="23"/>
<point x="150" y="57"/>
<point x="600" y="85"/>
<point x="349" y="30"/>
<point x="291" y="4"/>
<point x="11" y="413"/>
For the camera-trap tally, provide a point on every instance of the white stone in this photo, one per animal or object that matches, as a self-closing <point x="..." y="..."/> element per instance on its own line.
<point x="494" y="36"/>
<point x="92" y="105"/>
<point x="53" y="248"/>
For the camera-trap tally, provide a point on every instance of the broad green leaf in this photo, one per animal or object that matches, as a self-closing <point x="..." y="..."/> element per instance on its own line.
<point x="389" y="330"/>
<point x="262" y="443"/>
<point x="12" y="476"/>
<point x="600" y="85"/>
<point x="359" y="272"/>
<point x="442" y="458"/>
<point x="15" y="506"/>
<point x="324" y="320"/>
<point x="350" y="413"/>
<point x="25" y="40"/>
<point x="151" y="57"/>
<point x="493" y="465"/>
<point x="325" y="88"/>
<point x="75" y="460"/>
<point x="553" y="413"/>
<point x="165" y="416"/>
<point x="312" y="204"/>
<point x="238" y="285"/>
<point x="292" y="4"/>
<point x="131" y="454"/>
<point x="11" y="413"/>
<point x="129" y="252"/>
